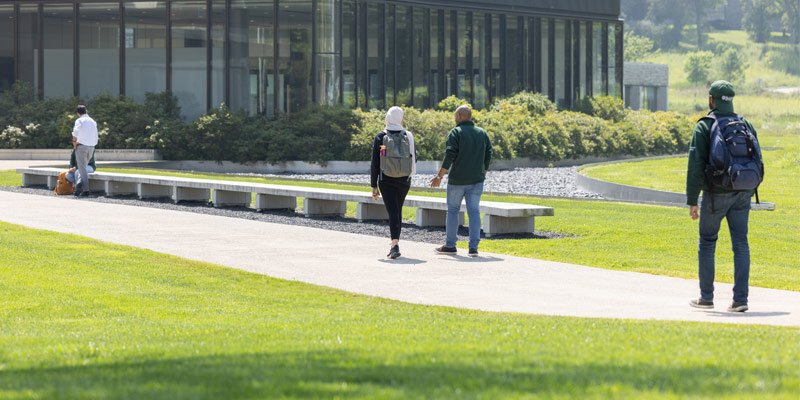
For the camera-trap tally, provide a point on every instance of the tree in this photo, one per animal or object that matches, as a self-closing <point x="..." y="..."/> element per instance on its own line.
<point x="791" y="17"/>
<point x="682" y="13"/>
<point x="697" y="67"/>
<point x="636" y="47"/>
<point x="731" y="66"/>
<point x="758" y="17"/>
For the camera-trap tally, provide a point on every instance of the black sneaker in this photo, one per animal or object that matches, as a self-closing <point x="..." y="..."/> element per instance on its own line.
<point x="445" y="250"/>
<point x="84" y="193"/>
<point x="738" y="306"/>
<point x="473" y="252"/>
<point x="394" y="252"/>
<point x="701" y="303"/>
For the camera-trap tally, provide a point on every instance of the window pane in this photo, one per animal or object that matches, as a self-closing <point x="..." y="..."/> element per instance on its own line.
<point x="58" y="60"/>
<point x="6" y="47"/>
<point x="349" y="47"/>
<point x="294" y="54"/>
<point x="217" y="53"/>
<point x="480" y="60"/>
<point x="497" y="66"/>
<point x="515" y="81"/>
<point x="391" y="61"/>
<point x="582" y="37"/>
<point x="612" y="63"/>
<point x="145" y="54"/>
<point x="420" y="60"/>
<point x="375" y="54"/>
<point x="437" y="30"/>
<point x="545" y="65"/>
<point x="327" y="26"/>
<point x="597" y="62"/>
<point x="99" y="48"/>
<point x="404" y="55"/>
<point x="560" y="76"/>
<point x="189" y="52"/>
<point x="29" y="45"/>
<point x="463" y="32"/>
<point x="450" y="51"/>
<point x="252" y="55"/>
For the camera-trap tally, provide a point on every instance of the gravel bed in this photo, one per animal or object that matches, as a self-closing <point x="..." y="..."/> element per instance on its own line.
<point x="552" y="182"/>
<point x="373" y="228"/>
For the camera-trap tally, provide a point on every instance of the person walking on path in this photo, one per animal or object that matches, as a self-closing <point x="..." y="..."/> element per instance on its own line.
<point x="467" y="157"/>
<point x="84" y="139"/>
<point x="719" y="203"/>
<point x="393" y="164"/>
<point x="73" y="175"/>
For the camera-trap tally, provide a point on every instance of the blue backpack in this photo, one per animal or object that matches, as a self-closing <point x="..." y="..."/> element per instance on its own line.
<point x="734" y="157"/>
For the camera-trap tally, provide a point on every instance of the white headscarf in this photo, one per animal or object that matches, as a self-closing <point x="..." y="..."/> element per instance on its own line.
<point x="394" y="119"/>
<point x="394" y="122"/>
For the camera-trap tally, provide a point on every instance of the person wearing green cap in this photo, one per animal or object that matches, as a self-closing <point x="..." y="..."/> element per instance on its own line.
<point x="717" y="204"/>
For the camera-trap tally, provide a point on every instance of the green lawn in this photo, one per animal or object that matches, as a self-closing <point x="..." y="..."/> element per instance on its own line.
<point x="85" y="319"/>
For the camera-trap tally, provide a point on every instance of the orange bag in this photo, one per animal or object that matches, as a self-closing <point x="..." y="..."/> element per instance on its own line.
<point x="63" y="186"/>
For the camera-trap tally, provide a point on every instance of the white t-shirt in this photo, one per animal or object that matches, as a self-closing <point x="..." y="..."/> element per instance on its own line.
<point x="85" y="130"/>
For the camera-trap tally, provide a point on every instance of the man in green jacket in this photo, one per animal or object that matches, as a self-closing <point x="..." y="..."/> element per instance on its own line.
<point x="717" y="204"/>
<point x="467" y="156"/>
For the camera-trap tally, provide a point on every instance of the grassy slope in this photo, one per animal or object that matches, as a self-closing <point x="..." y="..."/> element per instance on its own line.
<point x="84" y="319"/>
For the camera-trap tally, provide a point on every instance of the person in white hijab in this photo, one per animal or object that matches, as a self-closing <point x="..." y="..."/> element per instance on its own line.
<point x="393" y="184"/>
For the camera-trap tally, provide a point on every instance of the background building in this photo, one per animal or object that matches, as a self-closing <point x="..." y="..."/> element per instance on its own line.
<point x="268" y="56"/>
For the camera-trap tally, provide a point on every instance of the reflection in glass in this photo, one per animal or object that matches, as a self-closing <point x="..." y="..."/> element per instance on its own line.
<point x="99" y="48"/>
<point x="189" y="52"/>
<point x="612" y="61"/>
<point x="294" y="55"/>
<point x="597" y="60"/>
<point x="349" y="48"/>
<point x="515" y="82"/>
<point x="437" y="50"/>
<point x="327" y="63"/>
<point x="252" y="52"/>
<point x="6" y="47"/>
<point x="450" y="51"/>
<point x="560" y="76"/>
<point x="217" y="53"/>
<point x="497" y="66"/>
<point x="582" y="37"/>
<point x="376" y="43"/>
<point x="463" y="35"/>
<point x="29" y="45"/>
<point x="404" y="55"/>
<point x="58" y="52"/>
<point x="420" y="60"/>
<point x="145" y="40"/>
<point x="545" y="64"/>
<point x="480" y="61"/>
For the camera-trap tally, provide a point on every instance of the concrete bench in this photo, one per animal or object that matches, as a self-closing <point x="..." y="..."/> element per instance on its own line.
<point x="499" y="218"/>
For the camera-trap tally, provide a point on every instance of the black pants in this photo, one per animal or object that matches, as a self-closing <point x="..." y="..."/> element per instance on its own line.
<point x="394" y="191"/>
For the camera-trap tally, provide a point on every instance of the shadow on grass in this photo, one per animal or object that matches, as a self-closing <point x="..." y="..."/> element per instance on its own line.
<point x="349" y="374"/>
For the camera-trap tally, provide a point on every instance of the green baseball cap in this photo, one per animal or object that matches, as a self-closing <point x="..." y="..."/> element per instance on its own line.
<point x="722" y="91"/>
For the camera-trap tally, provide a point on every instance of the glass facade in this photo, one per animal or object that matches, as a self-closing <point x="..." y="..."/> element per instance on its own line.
<point x="280" y="56"/>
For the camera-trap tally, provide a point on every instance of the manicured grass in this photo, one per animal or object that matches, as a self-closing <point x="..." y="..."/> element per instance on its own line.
<point x="10" y="178"/>
<point x="84" y="319"/>
<point x="632" y="237"/>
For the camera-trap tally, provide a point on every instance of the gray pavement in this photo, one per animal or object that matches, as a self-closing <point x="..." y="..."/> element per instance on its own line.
<point x="355" y="263"/>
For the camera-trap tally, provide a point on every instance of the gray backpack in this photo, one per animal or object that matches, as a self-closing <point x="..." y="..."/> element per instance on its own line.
<point x="396" y="159"/>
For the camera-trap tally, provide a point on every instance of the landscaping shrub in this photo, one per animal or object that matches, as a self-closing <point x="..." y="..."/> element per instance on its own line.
<point x="524" y="125"/>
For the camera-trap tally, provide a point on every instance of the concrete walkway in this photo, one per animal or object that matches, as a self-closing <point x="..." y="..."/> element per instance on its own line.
<point x="355" y="263"/>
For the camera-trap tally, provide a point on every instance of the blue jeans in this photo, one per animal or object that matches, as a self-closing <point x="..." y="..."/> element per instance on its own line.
<point x="71" y="176"/>
<point x="735" y="207"/>
<point x="472" y="195"/>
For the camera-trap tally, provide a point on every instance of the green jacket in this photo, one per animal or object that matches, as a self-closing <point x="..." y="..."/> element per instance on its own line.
<point x="469" y="152"/>
<point x="73" y="161"/>
<point x="698" y="158"/>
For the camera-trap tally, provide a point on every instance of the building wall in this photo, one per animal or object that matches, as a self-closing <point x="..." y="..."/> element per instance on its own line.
<point x="271" y="56"/>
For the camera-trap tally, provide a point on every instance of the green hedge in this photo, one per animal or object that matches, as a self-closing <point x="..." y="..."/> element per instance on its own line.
<point x="525" y="125"/>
